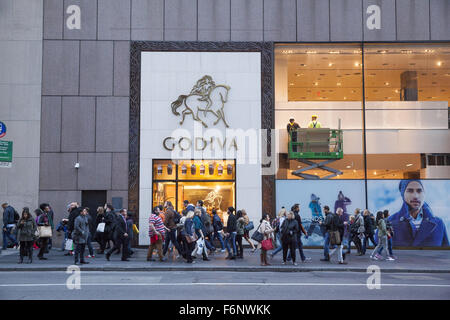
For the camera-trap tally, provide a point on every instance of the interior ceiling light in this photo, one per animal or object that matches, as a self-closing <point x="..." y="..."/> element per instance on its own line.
<point x="330" y="64"/>
<point x="429" y="51"/>
<point x="338" y="83"/>
<point x="439" y="63"/>
<point x="311" y="52"/>
<point x="356" y="64"/>
<point x="409" y="164"/>
<point x="386" y="83"/>
<point x="334" y="52"/>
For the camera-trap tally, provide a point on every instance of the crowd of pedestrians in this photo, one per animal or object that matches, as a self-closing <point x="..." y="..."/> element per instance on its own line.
<point x="195" y="233"/>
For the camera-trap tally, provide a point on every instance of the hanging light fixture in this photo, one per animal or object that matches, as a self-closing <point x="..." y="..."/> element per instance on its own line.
<point x="169" y="169"/>
<point x="211" y="169"/>
<point x="183" y="169"/>
<point x="220" y="170"/>
<point x="193" y="169"/>
<point x="159" y="170"/>
<point x="202" y="169"/>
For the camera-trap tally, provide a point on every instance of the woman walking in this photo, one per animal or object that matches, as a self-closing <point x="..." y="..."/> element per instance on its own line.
<point x="100" y="235"/>
<point x="199" y="230"/>
<point x="240" y="224"/>
<point x="43" y="221"/>
<point x="26" y="234"/>
<point x="289" y="233"/>
<point x="189" y="236"/>
<point x="278" y="223"/>
<point x="382" y="238"/>
<point x="267" y="231"/>
<point x="247" y="231"/>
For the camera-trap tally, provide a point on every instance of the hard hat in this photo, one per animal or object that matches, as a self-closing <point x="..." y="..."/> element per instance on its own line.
<point x="314" y="115"/>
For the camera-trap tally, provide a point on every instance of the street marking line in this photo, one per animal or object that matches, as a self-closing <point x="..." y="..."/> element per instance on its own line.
<point x="228" y="284"/>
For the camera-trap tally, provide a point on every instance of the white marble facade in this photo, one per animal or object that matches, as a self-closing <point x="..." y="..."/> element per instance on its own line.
<point x="167" y="75"/>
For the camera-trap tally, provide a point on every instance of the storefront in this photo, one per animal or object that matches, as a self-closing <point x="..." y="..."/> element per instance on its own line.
<point x="196" y="119"/>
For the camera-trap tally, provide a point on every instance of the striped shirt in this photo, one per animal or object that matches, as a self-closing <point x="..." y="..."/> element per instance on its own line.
<point x="157" y="223"/>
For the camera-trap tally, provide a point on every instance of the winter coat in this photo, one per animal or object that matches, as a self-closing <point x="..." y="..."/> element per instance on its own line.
<point x="80" y="232"/>
<point x="240" y="226"/>
<point x="266" y="229"/>
<point x="26" y="231"/>
<point x="8" y="216"/>
<point x="231" y="223"/>
<point x="289" y="230"/>
<point x="382" y="231"/>
<point x="217" y="223"/>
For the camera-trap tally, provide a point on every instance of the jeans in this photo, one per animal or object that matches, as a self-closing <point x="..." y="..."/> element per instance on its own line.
<point x="280" y="245"/>
<point x="389" y="243"/>
<point x="171" y="236"/>
<point x="218" y="235"/>
<point x="339" y="249"/>
<point x="231" y="239"/>
<point x="300" y="249"/>
<point x="7" y="235"/>
<point x="89" y="245"/>
<point x="382" y="244"/>
<point x="326" y="245"/>
<point x="289" y="245"/>
<point x="79" y="252"/>
<point x="366" y="241"/>
<point x="240" y="246"/>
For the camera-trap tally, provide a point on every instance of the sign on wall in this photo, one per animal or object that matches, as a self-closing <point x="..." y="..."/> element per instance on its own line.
<point x="2" y="129"/>
<point x="6" y="151"/>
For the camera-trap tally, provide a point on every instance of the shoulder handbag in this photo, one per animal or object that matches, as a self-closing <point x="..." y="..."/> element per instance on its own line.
<point x="101" y="227"/>
<point x="192" y="238"/>
<point x="258" y="236"/>
<point x="45" y="231"/>
<point x="335" y="238"/>
<point x="249" y="226"/>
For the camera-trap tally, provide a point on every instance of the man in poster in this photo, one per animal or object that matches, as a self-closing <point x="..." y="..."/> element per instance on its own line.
<point x="415" y="225"/>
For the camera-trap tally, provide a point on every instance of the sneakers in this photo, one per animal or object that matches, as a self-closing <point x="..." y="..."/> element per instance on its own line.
<point x="307" y="259"/>
<point x="223" y="250"/>
<point x="295" y="263"/>
<point x="390" y="259"/>
<point x="283" y="263"/>
<point x="342" y="262"/>
<point x="377" y="257"/>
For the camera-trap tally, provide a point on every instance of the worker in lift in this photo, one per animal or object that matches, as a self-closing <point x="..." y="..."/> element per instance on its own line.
<point x="292" y="126"/>
<point x="314" y="123"/>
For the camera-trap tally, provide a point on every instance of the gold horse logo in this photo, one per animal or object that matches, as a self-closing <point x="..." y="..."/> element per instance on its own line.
<point x="205" y="96"/>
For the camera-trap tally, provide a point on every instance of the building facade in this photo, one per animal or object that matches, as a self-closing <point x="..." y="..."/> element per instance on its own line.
<point x="96" y="83"/>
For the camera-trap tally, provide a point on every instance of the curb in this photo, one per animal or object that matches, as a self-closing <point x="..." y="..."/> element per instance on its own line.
<point x="228" y="269"/>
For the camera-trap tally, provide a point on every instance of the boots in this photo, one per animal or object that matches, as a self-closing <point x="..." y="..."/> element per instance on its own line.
<point x="262" y="259"/>
<point x="265" y="259"/>
<point x="30" y="255"/>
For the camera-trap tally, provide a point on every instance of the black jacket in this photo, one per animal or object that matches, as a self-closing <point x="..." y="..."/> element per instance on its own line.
<point x="231" y="223"/>
<point x="72" y="216"/>
<point x="120" y="228"/>
<point x="369" y="225"/>
<point x="289" y="230"/>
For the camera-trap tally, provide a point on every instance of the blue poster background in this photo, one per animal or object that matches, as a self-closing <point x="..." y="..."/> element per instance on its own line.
<point x="382" y="194"/>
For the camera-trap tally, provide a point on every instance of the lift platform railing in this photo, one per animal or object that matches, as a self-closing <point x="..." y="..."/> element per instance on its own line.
<point x="316" y="143"/>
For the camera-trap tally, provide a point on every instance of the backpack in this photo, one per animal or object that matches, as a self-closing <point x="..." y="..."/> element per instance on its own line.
<point x="16" y="216"/>
<point x="176" y="217"/>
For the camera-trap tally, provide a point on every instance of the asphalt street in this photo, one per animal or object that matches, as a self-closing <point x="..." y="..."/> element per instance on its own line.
<point x="199" y="285"/>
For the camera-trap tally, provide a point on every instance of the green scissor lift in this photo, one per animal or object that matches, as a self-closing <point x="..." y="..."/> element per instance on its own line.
<point x="316" y="144"/>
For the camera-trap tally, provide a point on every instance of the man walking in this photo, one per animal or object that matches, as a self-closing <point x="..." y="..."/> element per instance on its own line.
<point x="156" y="233"/>
<point x="296" y="209"/>
<point x="120" y="236"/>
<point x="369" y="226"/>
<point x="336" y="225"/>
<point x="8" y="225"/>
<point x="170" y="221"/>
<point x="231" y="234"/>
<point x="326" y="227"/>
<point x="80" y="235"/>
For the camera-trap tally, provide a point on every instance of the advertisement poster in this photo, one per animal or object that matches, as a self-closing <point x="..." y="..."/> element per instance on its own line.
<point x="430" y="198"/>
<point x="313" y="195"/>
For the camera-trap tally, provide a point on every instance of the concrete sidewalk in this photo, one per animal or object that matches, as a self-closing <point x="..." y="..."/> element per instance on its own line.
<point x="409" y="261"/>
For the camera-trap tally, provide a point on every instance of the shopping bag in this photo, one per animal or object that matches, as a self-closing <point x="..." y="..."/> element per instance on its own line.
<point x="69" y="245"/>
<point x="101" y="227"/>
<point x="249" y="226"/>
<point x="200" y="246"/>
